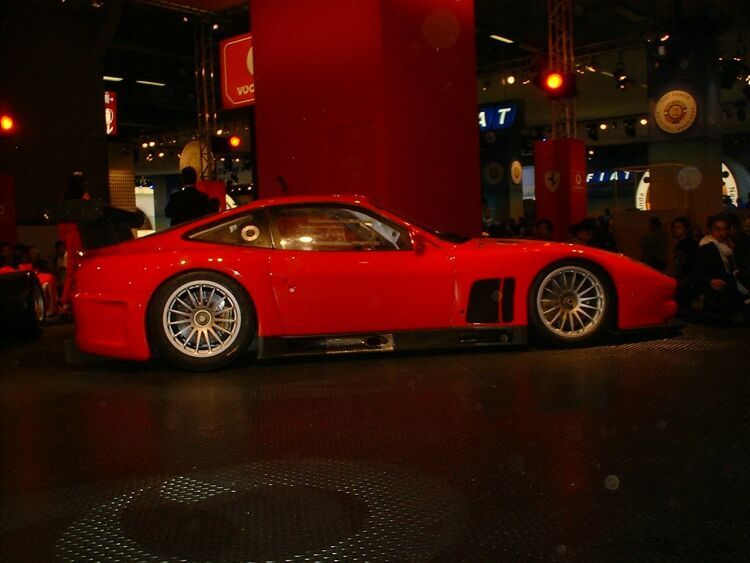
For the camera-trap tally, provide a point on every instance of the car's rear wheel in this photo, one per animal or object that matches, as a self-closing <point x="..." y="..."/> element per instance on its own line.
<point x="201" y="320"/>
<point x="570" y="303"/>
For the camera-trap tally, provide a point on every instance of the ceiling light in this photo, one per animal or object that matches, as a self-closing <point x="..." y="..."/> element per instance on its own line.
<point x="664" y="38"/>
<point x="502" y="39"/>
<point x="145" y="145"/>
<point x="215" y="26"/>
<point x="643" y="121"/>
<point x="152" y="143"/>
<point x="603" y="126"/>
<point x="219" y="131"/>
<point x="150" y="83"/>
<point x="112" y="78"/>
<point x="511" y="79"/>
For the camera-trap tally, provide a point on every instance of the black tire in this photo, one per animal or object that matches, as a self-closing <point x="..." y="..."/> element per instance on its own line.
<point x="571" y="303"/>
<point x="22" y="307"/>
<point x="201" y="321"/>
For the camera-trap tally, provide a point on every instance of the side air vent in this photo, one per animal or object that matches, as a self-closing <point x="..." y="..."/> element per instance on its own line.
<point x="483" y="302"/>
<point x="509" y="292"/>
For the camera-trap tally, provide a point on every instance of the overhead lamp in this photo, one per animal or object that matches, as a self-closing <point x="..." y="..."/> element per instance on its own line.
<point x="603" y="126"/>
<point x="622" y="80"/>
<point x="510" y="79"/>
<point x="215" y="26"/>
<point x="150" y="83"/>
<point x="112" y="78"/>
<point x="502" y="39"/>
<point x="643" y="121"/>
<point x="593" y="65"/>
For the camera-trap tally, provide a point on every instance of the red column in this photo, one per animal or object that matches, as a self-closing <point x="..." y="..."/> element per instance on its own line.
<point x="560" y="183"/>
<point x="374" y="97"/>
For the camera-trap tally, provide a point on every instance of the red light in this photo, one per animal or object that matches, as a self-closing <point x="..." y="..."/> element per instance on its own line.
<point x="553" y="81"/>
<point x="234" y="141"/>
<point x="6" y="123"/>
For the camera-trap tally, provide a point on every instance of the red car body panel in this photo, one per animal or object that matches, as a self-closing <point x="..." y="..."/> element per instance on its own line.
<point x="298" y="293"/>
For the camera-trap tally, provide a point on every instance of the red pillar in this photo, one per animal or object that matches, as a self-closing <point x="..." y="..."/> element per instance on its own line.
<point x="560" y="183"/>
<point x="373" y="97"/>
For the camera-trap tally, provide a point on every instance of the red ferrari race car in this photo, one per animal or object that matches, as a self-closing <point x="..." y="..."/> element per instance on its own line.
<point x="335" y="274"/>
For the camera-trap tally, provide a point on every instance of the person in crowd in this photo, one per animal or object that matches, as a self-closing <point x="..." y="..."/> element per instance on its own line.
<point x="742" y="256"/>
<point x="7" y="256"/>
<point x="698" y="233"/>
<point x="684" y="257"/>
<point x="70" y="234"/>
<point x="603" y="237"/>
<point x="583" y="232"/>
<point x="714" y="271"/>
<point x="38" y="263"/>
<point x="654" y="245"/>
<point x="544" y="230"/>
<point x="188" y="202"/>
<point x="58" y="263"/>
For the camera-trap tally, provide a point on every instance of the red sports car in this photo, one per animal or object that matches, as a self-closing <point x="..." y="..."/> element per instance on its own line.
<point x="335" y="274"/>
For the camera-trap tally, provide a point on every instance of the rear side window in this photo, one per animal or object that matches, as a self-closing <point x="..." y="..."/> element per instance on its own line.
<point x="323" y="228"/>
<point x="248" y="229"/>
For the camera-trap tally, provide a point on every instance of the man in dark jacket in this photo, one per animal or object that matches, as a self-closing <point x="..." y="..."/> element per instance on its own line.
<point x="188" y="202"/>
<point x="715" y="268"/>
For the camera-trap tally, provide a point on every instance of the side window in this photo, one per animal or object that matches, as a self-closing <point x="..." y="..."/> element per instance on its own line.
<point x="324" y="228"/>
<point x="248" y="229"/>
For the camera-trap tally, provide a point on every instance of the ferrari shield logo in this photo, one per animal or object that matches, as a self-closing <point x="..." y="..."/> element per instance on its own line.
<point x="552" y="180"/>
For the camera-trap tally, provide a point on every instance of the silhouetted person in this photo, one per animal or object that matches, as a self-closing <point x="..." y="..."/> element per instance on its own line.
<point x="70" y="233"/>
<point x="715" y="268"/>
<point x="684" y="257"/>
<point x="544" y="230"/>
<point x="188" y="202"/>
<point x="654" y="245"/>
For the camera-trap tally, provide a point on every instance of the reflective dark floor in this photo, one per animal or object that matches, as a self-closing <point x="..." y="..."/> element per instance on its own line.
<point x="631" y="451"/>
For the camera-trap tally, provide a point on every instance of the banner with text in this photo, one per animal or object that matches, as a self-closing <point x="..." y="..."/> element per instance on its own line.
<point x="237" y="74"/>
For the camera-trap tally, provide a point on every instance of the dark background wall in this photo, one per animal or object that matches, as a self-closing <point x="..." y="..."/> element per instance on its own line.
<point x="51" y="69"/>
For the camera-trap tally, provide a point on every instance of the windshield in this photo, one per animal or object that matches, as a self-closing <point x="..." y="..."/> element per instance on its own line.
<point x="454" y="238"/>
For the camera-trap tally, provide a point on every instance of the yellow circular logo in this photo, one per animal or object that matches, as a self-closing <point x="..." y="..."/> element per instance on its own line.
<point x="516" y="172"/>
<point x="675" y="111"/>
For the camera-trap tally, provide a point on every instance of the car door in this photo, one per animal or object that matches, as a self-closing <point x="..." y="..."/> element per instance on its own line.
<point x="345" y="269"/>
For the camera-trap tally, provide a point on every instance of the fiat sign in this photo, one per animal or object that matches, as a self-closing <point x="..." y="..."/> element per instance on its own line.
<point x="237" y="75"/>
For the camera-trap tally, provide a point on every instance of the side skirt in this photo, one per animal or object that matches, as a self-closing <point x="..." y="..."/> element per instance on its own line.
<point x="275" y="346"/>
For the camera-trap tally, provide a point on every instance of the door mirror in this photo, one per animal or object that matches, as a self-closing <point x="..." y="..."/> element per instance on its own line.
<point x="418" y="242"/>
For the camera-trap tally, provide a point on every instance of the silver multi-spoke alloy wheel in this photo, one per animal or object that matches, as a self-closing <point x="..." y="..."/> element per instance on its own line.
<point x="201" y="318"/>
<point x="571" y="302"/>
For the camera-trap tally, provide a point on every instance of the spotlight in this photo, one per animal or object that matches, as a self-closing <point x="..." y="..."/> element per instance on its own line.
<point x="622" y="80"/>
<point x="511" y="79"/>
<point x="603" y="126"/>
<point x="643" y="121"/>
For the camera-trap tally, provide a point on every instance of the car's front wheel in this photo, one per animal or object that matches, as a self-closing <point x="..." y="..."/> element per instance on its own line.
<point x="570" y="303"/>
<point x="201" y="320"/>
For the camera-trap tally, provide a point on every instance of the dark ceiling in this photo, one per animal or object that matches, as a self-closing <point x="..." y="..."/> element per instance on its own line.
<point x="155" y="41"/>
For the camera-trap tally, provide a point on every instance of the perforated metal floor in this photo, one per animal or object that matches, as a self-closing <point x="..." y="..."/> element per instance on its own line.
<point x="630" y="451"/>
